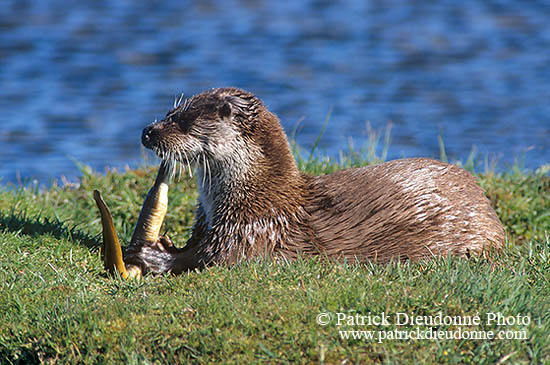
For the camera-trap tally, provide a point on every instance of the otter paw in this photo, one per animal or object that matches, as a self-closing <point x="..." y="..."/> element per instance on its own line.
<point x="156" y="257"/>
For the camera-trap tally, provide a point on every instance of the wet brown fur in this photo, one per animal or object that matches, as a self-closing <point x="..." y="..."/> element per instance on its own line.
<point x="254" y="201"/>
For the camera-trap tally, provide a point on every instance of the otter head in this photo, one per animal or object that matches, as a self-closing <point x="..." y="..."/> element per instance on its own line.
<point x="227" y="134"/>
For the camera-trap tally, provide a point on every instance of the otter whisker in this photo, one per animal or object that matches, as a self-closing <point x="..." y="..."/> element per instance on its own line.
<point x="159" y="153"/>
<point x="180" y="100"/>
<point x="186" y="104"/>
<point x="203" y="171"/>
<point x="171" y="167"/>
<point x="174" y="165"/>
<point x="180" y="167"/>
<point x="209" y="176"/>
<point x="188" y="164"/>
<point x="170" y="162"/>
<point x="168" y="166"/>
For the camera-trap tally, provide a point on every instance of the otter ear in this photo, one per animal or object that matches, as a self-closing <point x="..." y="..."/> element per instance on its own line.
<point x="233" y="105"/>
<point x="225" y="110"/>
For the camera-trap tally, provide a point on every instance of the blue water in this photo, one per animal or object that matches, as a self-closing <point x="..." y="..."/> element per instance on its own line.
<point x="80" y="79"/>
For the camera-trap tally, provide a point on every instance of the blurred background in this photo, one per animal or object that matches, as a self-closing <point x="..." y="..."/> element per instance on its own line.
<point x="80" y="79"/>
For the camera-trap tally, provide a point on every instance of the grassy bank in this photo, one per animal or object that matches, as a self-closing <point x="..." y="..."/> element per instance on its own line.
<point x="58" y="305"/>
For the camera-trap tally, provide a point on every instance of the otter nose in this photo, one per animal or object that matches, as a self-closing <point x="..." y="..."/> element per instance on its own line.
<point x="147" y="136"/>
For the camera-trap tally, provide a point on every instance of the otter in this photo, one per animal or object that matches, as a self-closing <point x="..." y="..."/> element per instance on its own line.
<point x="254" y="202"/>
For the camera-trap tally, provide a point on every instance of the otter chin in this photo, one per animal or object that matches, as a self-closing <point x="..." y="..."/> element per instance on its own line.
<point x="254" y="202"/>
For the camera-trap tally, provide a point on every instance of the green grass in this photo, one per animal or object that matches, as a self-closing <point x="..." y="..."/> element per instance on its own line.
<point x="58" y="305"/>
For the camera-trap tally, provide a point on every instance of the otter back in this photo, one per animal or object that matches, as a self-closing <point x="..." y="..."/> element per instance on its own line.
<point x="407" y="208"/>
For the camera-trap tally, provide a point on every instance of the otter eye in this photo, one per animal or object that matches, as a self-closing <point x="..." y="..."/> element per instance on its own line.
<point x="225" y="110"/>
<point x="184" y="123"/>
